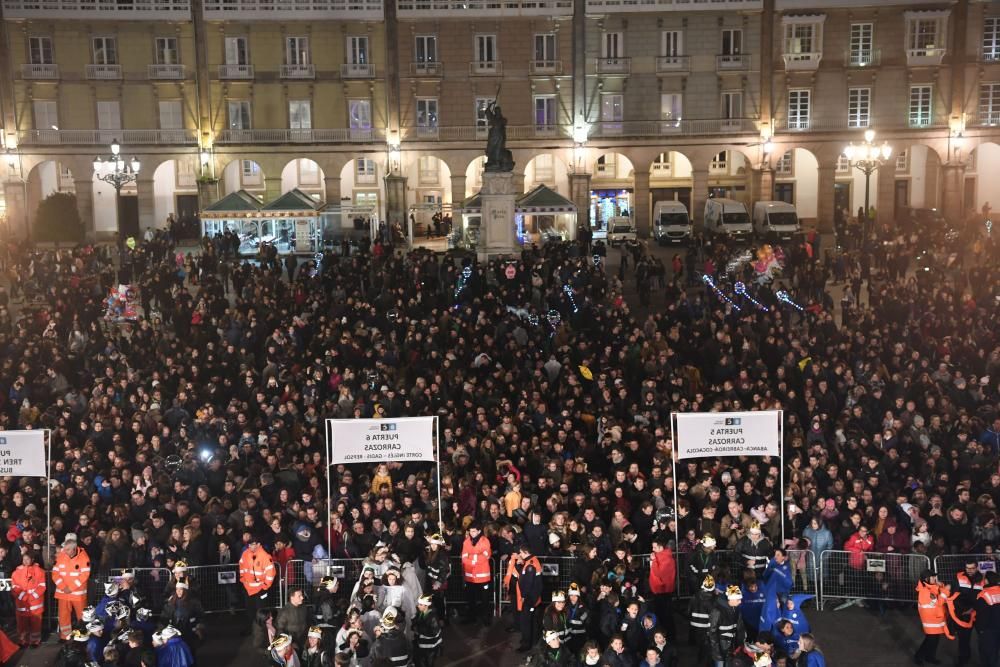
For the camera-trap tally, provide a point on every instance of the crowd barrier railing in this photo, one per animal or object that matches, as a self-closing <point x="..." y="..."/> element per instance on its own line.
<point x="557" y="574"/>
<point x="848" y="575"/>
<point x="805" y="574"/>
<point x="949" y="565"/>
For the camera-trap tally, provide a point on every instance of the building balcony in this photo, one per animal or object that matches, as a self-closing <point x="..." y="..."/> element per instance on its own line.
<point x="290" y="10"/>
<point x="612" y="6"/>
<point x="411" y="9"/>
<point x="842" y="125"/>
<point x="984" y="119"/>
<point x="101" y="10"/>
<point x="427" y="132"/>
<point x="991" y="56"/>
<point x="428" y="69"/>
<point x="926" y="57"/>
<point x="667" y="64"/>
<point x="104" y="72"/>
<point x="864" y="58"/>
<point x="732" y="62"/>
<point x="298" y="71"/>
<point x="169" y="72"/>
<point x="102" y="137"/>
<point x="614" y="65"/>
<point x="357" y="71"/>
<point x="235" y="72"/>
<point x="486" y="68"/>
<point x="472" y="133"/>
<point x="686" y="127"/>
<point x="544" y="67"/>
<point x="296" y="136"/>
<point x="40" y="72"/>
<point x="802" y="61"/>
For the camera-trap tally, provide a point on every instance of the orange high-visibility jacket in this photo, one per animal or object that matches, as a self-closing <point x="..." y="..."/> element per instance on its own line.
<point x="935" y="604"/>
<point x="28" y="588"/>
<point x="71" y="575"/>
<point x="256" y="571"/>
<point x="476" y="560"/>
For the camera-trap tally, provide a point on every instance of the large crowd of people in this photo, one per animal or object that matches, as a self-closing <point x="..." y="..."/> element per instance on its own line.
<point x="193" y="436"/>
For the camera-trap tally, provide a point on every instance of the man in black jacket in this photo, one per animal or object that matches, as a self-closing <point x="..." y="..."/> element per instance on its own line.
<point x="426" y="633"/>
<point x="528" y="571"/>
<point x="726" y="632"/>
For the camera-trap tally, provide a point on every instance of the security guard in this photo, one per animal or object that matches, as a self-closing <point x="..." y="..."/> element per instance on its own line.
<point x="968" y="584"/>
<point x="935" y="605"/>
<point x="699" y="611"/>
<point x="726" y="632"/>
<point x="257" y="573"/>
<point x="527" y="570"/>
<point x="577" y="618"/>
<point x="426" y="633"/>
<point x="390" y="642"/>
<point x="988" y="621"/>
<point x="476" y="555"/>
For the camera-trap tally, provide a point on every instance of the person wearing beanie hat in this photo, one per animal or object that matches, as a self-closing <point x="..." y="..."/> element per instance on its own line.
<point x="699" y="615"/>
<point x="426" y="633"/>
<point x="577" y="618"/>
<point x="476" y="555"/>
<point x="526" y="571"/>
<point x="726" y="631"/>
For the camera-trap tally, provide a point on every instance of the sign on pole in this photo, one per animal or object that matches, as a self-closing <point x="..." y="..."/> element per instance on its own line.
<point x="381" y="440"/>
<point x="22" y="454"/>
<point x="710" y="434"/>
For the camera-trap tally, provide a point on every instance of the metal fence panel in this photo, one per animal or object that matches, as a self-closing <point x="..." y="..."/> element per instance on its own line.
<point x="871" y="576"/>
<point x="557" y="575"/>
<point x="949" y="565"/>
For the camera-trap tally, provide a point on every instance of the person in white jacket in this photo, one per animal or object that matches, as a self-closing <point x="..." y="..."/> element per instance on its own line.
<point x="394" y="593"/>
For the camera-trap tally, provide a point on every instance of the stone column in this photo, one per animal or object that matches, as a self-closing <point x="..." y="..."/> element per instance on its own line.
<point x="579" y="192"/>
<point x="499" y="197"/>
<point x="332" y="186"/>
<point x="824" y="202"/>
<point x="272" y="188"/>
<point x="457" y="190"/>
<point x="641" y="204"/>
<point x="17" y="209"/>
<point x="952" y="203"/>
<point x="85" y="204"/>
<point x="147" y="204"/>
<point x="885" y="197"/>
<point x="699" y="193"/>
<point x="761" y="186"/>
<point x="395" y="195"/>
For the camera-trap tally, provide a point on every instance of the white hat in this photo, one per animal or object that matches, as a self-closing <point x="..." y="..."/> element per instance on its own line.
<point x="389" y="618"/>
<point x="708" y="541"/>
<point x="558" y="596"/>
<point x="95" y="626"/>
<point x="170" y="631"/>
<point x="315" y="632"/>
<point x="425" y="600"/>
<point x="554" y="538"/>
<point x="69" y="539"/>
<point x="181" y="585"/>
<point x="111" y="589"/>
<point x="550" y="635"/>
<point x="280" y="642"/>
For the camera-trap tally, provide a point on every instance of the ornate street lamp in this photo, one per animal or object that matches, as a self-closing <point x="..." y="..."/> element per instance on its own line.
<point x="868" y="157"/>
<point x="118" y="173"/>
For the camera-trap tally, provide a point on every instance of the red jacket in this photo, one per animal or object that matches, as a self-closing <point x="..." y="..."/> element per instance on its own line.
<point x="663" y="572"/>
<point x="858" y="545"/>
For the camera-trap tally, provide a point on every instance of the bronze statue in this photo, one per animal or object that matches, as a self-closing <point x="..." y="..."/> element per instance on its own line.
<point x="498" y="158"/>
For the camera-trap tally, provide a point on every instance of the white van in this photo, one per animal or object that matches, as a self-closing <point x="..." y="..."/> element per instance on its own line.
<point x="620" y="230"/>
<point x="727" y="217"/>
<point x="775" y="219"/>
<point x="671" y="223"/>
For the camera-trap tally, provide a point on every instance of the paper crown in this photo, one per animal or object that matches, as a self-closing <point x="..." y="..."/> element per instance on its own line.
<point x="734" y="593"/>
<point x="708" y="584"/>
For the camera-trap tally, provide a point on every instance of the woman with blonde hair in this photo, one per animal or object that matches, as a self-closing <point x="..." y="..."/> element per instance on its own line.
<point x="809" y="654"/>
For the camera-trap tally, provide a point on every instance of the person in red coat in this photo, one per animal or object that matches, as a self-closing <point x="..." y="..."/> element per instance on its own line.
<point x="663" y="584"/>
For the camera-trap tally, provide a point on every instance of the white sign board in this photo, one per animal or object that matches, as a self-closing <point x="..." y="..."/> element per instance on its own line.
<point x="22" y="454"/>
<point x="380" y="440"/>
<point x="710" y="434"/>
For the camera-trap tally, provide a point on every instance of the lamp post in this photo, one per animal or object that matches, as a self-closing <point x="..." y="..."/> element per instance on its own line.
<point x="867" y="157"/>
<point x="118" y="173"/>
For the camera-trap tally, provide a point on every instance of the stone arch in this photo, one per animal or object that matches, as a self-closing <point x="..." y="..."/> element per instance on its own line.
<point x="474" y="175"/>
<point x="981" y="168"/>
<point x="671" y="177"/>
<point x="729" y="174"/>
<point x="362" y="183"/>
<point x="612" y="188"/>
<point x="44" y="178"/>
<point x="175" y="188"/>
<point x="243" y="174"/>
<point x="920" y="168"/>
<point x="547" y="168"/>
<point x="796" y="181"/>
<point x="306" y="175"/>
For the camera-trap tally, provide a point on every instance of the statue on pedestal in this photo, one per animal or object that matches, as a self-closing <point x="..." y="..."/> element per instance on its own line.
<point x="498" y="158"/>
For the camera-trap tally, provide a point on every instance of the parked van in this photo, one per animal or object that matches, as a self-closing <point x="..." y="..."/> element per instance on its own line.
<point x="775" y="219"/>
<point x="671" y="222"/>
<point x="620" y="230"/>
<point x="727" y="217"/>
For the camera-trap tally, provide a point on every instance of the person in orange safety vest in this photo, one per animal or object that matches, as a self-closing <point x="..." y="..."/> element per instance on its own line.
<point x="70" y="577"/>
<point x="476" y="554"/>
<point x="935" y="603"/>
<point x="28" y="589"/>
<point x="527" y="569"/>
<point x="987" y="619"/>
<point x="257" y="574"/>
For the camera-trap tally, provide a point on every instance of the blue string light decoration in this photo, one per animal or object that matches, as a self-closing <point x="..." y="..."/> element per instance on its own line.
<point x="707" y="279"/>
<point x="741" y="289"/>
<point x="572" y="299"/>
<point x="784" y="297"/>
<point x="463" y="280"/>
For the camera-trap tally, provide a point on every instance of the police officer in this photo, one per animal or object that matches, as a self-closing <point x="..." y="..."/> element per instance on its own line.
<point x="390" y="642"/>
<point x="426" y="633"/>
<point x="527" y="571"/>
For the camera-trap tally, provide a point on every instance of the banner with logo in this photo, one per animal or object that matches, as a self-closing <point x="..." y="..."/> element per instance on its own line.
<point x="22" y="454"/>
<point x="380" y="440"/>
<point x="710" y="434"/>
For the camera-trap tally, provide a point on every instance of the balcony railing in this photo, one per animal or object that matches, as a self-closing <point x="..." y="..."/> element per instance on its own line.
<point x="357" y="71"/>
<point x="673" y="63"/>
<point x="104" y="72"/>
<point x="990" y="56"/>
<point x="984" y="119"/>
<point x="235" y="71"/>
<point x="100" y="137"/>
<point x="426" y="69"/>
<point x="289" y="136"/>
<point x="654" y="128"/>
<point x="863" y="58"/>
<point x="926" y="57"/>
<point x="166" y="71"/>
<point x="802" y="61"/>
<point x="732" y="62"/>
<point x="613" y="65"/>
<point x="608" y="6"/>
<point x="103" y="10"/>
<point x="436" y="8"/>
<point x="427" y="131"/>
<point x="486" y="68"/>
<point x="298" y="71"/>
<point x="280" y="10"/>
<point x="536" y="67"/>
<point x="843" y="125"/>
<point x="37" y="72"/>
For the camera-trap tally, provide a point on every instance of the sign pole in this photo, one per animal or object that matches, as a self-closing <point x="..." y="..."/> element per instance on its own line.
<point x="48" y="488"/>
<point x="437" y="462"/>
<point x="673" y="462"/>
<point x="329" y="494"/>
<point x="781" y="464"/>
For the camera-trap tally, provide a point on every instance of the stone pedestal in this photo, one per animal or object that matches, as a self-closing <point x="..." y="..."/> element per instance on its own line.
<point x="498" y="233"/>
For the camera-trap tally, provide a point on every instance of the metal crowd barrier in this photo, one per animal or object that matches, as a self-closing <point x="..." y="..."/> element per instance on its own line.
<point x="557" y="575"/>
<point x="870" y="576"/>
<point x="805" y="575"/>
<point x="949" y="565"/>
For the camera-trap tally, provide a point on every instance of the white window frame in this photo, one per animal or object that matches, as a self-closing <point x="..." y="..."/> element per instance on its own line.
<point x="662" y="168"/>
<point x="171" y="114"/>
<point x="100" y="46"/>
<point x="926" y="32"/>
<point x="731" y="104"/>
<point x="989" y="104"/>
<point x="485" y="49"/>
<point x="615" y="102"/>
<point x="427" y="113"/>
<point x="46" y="114"/>
<point x="921" y="109"/>
<point x="297" y="51"/>
<point x="859" y="107"/>
<point x="735" y="42"/>
<point x="109" y="115"/>
<point x="544" y="48"/>
<point x="300" y="115"/>
<point x="672" y="43"/>
<point x="237" y="51"/>
<point x="991" y="38"/>
<point x="902" y="161"/>
<point x="612" y="44"/>
<point x="479" y="113"/>
<point x="358" y="50"/>
<point x="425" y="49"/>
<point x="719" y="163"/>
<point x="547" y="105"/>
<point x="250" y="173"/>
<point x="799" y="108"/>
<point x="239" y="115"/>
<point x="167" y="50"/>
<point x="861" y="44"/>
<point x="364" y="171"/>
<point x="803" y="37"/>
<point x="843" y="164"/>
<point x="671" y="109"/>
<point x="43" y="47"/>
<point x="359" y="112"/>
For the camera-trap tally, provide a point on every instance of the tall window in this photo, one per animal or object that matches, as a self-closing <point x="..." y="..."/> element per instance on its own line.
<point x="784" y="165"/>
<point x="296" y="50"/>
<point x="40" y="51"/>
<point x="250" y="172"/>
<point x="486" y="49"/>
<point x="671" y="43"/>
<point x="612" y="45"/>
<point x="545" y="48"/>
<point x="357" y="50"/>
<point x="105" y="51"/>
<point x="902" y="161"/>
<point x="360" y="112"/>
<point x="236" y="51"/>
<point x="171" y="115"/>
<point x="364" y="170"/>
<point x="239" y="114"/>
<point x="612" y="108"/>
<point x="425" y="49"/>
<point x="800" y="38"/>
<point x="671" y="108"/>
<point x="720" y="162"/>
<point x="299" y="115"/>
<point x="861" y="50"/>
<point x="480" y="113"/>
<point x="732" y="105"/>
<point x="427" y="113"/>
<point x="859" y="101"/>
<point x="923" y="36"/>
<point x="921" y="106"/>
<point x="545" y="111"/>
<point x="544" y="169"/>
<point x="109" y="115"/>
<point x="798" y="109"/>
<point x="989" y="104"/>
<point x="166" y="51"/>
<point x="428" y="170"/>
<point x="991" y="38"/>
<point x="732" y="42"/>
<point x="46" y="114"/>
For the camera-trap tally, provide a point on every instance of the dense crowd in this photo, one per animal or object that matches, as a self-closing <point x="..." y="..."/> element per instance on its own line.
<point x="194" y="436"/>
